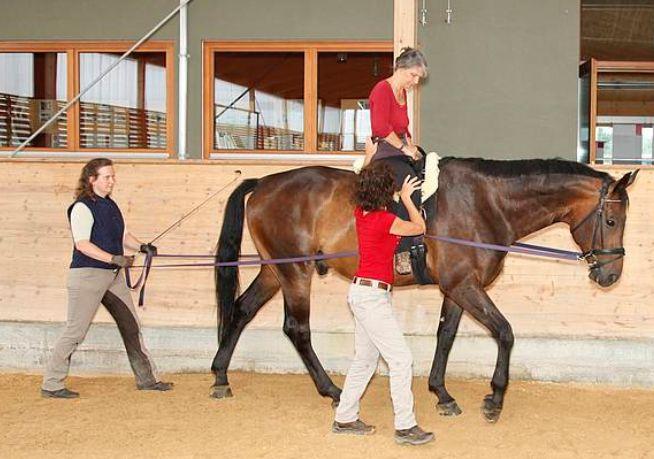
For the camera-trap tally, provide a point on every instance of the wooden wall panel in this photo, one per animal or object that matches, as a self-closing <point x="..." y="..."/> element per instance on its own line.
<point x="539" y="296"/>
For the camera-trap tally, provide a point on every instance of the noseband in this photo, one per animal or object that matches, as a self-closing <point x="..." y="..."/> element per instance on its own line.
<point x="591" y="256"/>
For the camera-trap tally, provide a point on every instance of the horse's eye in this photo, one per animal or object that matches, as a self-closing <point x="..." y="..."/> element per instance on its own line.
<point x="610" y="222"/>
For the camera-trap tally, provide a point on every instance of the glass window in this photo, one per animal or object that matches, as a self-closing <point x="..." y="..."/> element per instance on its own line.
<point x="632" y="139"/>
<point x="258" y="101"/>
<point x="345" y="80"/>
<point x="127" y="108"/>
<point x="32" y="89"/>
<point x="625" y="113"/>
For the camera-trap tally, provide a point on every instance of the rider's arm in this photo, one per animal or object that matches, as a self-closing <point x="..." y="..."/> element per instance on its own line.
<point x="382" y="103"/>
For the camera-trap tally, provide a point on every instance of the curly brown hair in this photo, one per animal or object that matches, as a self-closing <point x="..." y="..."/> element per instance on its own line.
<point x="90" y="169"/>
<point x="375" y="187"/>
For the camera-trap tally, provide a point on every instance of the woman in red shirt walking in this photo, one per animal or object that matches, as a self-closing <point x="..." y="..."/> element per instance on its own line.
<point x="376" y="331"/>
<point x="390" y="131"/>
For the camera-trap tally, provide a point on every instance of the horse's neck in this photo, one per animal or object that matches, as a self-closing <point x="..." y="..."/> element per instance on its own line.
<point x="537" y="204"/>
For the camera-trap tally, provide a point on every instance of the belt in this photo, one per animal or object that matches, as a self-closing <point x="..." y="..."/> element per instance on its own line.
<point x="372" y="283"/>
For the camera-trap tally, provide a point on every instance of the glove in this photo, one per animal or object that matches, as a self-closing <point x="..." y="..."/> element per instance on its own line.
<point x="122" y="261"/>
<point x="148" y="249"/>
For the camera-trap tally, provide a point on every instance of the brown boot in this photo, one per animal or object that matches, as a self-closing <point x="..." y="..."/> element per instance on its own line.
<point x="61" y="393"/>
<point x="357" y="427"/>
<point x="413" y="436"/>
<point x="403" y="263"/>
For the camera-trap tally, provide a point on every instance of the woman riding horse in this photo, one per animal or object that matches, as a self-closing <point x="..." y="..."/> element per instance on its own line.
<point x="389" y="121"/>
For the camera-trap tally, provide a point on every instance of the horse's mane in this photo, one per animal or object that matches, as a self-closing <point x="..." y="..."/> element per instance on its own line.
<point x="521" y="167"/>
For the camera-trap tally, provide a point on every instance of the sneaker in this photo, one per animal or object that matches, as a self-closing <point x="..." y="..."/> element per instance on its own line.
<point x="357" y="427"/>
<point x="159" y="385"/>
<point x="403" y="263"/>
<point x="413" y="436"/>
<point x="61" y="393"/>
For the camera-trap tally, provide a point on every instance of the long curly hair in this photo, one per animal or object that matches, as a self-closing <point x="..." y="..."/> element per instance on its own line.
<point x="375" y="187"/>
<point x="90" y="169"/>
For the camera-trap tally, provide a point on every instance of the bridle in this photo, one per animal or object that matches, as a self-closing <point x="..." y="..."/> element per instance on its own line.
<point x="591" y="256"/>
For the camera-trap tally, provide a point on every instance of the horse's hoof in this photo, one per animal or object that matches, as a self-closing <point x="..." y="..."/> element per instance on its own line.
<point x="490" y="410"/>
<point x="221" y="392"/>
<point x="449" y="409"/>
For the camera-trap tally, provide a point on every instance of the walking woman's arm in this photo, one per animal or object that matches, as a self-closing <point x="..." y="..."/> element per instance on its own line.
<point x="416" y="224"/>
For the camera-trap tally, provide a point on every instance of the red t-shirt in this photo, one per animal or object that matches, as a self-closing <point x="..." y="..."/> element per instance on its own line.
<point x="376" y="244"/>
<point x="386" y="115"/>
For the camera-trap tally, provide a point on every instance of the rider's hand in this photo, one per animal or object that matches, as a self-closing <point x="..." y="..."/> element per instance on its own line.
<point x="370" y="148"/>
<point x="409" y="186"/>
<point x="122" y="261"/>
<point x="410" y="150"/>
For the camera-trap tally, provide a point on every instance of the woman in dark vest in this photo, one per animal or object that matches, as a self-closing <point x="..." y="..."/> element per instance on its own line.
<point x="389" y="120"/>
<point x="97" y="276"/>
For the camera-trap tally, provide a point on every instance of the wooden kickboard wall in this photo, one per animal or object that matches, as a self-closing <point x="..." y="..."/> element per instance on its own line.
<point x="538" y="296"/>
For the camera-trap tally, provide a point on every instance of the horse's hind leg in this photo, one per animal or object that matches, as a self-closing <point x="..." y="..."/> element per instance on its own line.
<point x="262" y="289"/>
<point x="296" y="326"/>
<point x="447" y="328"/>
<point x="476" y="301"/>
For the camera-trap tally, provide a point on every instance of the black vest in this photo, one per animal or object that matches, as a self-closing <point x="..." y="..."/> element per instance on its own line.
<point x="107" y="231"/>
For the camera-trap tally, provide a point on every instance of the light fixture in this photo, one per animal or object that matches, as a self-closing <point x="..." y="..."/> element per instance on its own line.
<point x="423" y="14"/>
<point x="449" y="12"/>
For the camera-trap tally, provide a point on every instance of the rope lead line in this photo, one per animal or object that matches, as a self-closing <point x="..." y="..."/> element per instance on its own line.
<point x="254" y="260"/>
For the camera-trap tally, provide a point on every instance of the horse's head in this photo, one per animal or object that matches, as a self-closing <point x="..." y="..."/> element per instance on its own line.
<point x="599" y="231"/>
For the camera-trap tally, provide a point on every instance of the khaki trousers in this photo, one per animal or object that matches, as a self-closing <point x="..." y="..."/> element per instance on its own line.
<point x="376" y="333"/>
<point x="87" y="288"/>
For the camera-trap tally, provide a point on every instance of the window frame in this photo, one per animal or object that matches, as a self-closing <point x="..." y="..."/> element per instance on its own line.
<point x="310" y="50"/>
<point x="73" y="49"/>
<point x="592" y="68"/>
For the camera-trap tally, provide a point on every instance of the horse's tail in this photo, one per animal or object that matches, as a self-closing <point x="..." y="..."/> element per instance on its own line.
<point x="229" y="249"/>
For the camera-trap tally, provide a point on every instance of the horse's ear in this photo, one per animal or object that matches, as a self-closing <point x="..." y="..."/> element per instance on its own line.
<point x="626" y="180"/>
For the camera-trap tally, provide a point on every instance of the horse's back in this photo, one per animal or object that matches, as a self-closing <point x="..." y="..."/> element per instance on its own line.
<point x="306" y="187"/>
<point x="311" y="177"/>
<point x="303" y="211"/>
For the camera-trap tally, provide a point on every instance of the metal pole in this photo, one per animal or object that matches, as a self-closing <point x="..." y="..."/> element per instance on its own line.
<point x="183" y="81"/>
<point x="94" y="82"/>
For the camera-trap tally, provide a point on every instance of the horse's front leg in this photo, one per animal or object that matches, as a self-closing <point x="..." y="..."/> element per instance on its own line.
<point x="447" y="328"/>
<point x="472" y="298"/>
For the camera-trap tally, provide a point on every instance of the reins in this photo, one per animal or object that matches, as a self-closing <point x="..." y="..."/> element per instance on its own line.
<point x="589" y="256"/>
<point x="254" y="260"/>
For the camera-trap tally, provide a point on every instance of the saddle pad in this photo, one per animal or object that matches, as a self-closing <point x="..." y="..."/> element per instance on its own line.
<point x="430" y="185"/>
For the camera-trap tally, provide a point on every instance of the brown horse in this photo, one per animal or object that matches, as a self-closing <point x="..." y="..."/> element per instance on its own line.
<point x="309" y="211"/>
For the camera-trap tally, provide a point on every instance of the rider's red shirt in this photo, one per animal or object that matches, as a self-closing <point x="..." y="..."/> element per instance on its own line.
<point x="386" y="114"/>
<point x="376" y="244"/>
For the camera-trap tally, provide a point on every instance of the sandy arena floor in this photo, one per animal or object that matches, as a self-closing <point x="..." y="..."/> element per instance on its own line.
<point x="282" y="416"/>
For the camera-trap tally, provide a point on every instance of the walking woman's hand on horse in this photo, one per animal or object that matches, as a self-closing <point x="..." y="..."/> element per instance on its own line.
<point x="409" y="186"/>
<point x="416" y="224"/>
